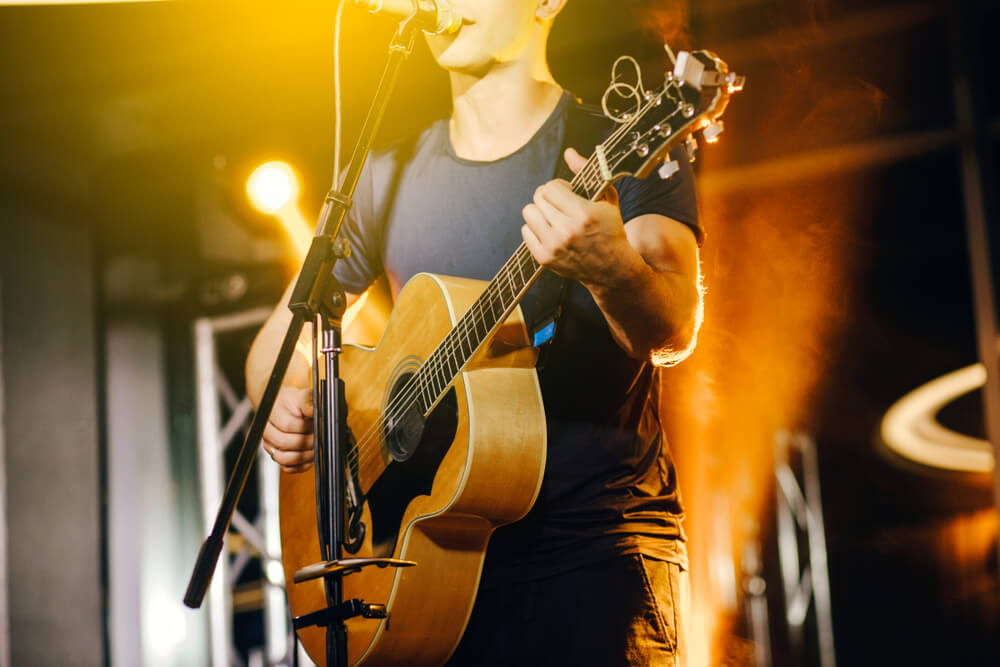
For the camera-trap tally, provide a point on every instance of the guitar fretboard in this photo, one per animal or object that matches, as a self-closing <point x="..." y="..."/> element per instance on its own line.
<point x="492" y="307"/>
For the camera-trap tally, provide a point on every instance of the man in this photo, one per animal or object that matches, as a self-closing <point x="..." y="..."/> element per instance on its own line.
<point x="595" y="574"/>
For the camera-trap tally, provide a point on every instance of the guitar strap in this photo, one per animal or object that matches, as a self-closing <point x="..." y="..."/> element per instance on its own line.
<point x="586" y="126"/>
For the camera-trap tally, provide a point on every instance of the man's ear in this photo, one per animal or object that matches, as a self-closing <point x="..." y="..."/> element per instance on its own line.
<point x="548" y="9"/>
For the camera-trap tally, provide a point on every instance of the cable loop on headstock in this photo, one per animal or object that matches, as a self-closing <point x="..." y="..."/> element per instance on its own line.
<point x="650" y="123"/>
<point x="624" y="90"/>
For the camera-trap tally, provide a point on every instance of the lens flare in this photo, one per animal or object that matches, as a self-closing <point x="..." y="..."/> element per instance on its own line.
<point x="272" y="187"/>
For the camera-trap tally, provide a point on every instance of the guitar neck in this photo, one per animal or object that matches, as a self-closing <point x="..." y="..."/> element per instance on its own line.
<point x="492" y="307"/>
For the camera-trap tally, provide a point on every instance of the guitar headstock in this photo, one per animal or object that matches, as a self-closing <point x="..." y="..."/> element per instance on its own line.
<point x="692" y="98"/>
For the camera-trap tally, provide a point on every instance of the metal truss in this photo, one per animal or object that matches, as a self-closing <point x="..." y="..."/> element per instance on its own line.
<point x="260" y="537"/>
<point x="802" y="544"/>
<point x="755" y="593"/>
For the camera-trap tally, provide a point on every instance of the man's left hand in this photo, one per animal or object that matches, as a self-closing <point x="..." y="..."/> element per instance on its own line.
<point x="575" y="237"/>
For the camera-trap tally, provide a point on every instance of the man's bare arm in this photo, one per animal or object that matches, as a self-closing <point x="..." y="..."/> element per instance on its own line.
<point x="288" y="434"/>
<point x="644" y="276"/>
<point x="652" y="304"/>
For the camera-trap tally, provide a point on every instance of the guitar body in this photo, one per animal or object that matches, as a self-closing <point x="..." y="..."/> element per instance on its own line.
<point x="478" y="465"/>
<point x="477" y="460"/>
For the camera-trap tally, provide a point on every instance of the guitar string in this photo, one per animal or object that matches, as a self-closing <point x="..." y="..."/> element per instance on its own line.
<point x="592" y="180"/>
<point x="445" y="353"/>
<point x="437" y="384"/>
<point x="588" y="177"/>
<point x="452" y="343"/>
<point x="438" y="358"/>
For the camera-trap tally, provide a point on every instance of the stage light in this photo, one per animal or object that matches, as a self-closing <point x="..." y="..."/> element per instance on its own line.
<point x="274" y="572"/>
<point x="273" y="187"/>
<point x="911" y="429"/>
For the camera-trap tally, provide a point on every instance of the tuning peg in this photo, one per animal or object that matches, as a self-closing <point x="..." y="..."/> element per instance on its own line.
<point x="692" y="148"/>
<point x="668" y="169"/>
<point x="689" y="70"/>
<point x="712" y="131"/>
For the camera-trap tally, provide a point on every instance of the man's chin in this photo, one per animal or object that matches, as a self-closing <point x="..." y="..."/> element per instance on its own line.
<point x="455" y="64"/>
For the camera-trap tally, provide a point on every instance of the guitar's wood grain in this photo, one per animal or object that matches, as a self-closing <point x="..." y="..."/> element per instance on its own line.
<point x="490" y="475"/>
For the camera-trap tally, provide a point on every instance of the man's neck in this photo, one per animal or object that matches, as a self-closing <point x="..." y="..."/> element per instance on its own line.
<point x="495" y="114"/>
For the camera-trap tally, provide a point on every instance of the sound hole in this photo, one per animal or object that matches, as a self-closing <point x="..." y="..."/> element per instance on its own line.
<point x="417" y="454"/>
<point x="404" y="423"/>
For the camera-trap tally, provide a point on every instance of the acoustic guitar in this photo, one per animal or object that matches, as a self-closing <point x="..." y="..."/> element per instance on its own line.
<point x="446" y="416"/>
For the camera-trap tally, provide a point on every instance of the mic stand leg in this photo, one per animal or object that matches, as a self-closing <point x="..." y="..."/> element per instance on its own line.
<point x="331" y="459"/>
<point x="309" y="297"/>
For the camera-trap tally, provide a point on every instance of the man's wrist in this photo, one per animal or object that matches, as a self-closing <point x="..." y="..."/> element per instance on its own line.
<point x="629" y="272"/>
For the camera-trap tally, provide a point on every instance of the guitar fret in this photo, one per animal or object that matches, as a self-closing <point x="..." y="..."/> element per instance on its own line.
<point x="416" y="390"/>
<point x="461" y="356"/>
<point x="502" y="299"/>
<point x="472" y="333"/>
<point x="425" y="395"/>
<point x="503" y="289"/>
<point x="418" y="394"/>
<point x="496" y="303"/>
<point x="435" y="378"/>
<point x="480" y="322"/>
<point x="446" y="372"/>
<point x="444" y="369"/>
<point x="442" y="377"/>
<point x="528" y="267"/>
<point x="462" y="340"/>
<point x="525" y="276"/>
<point x="465" y="341"/>
<point x="514" y="287"/>
<point x="494" y="315"/>
<point x="487" y="301"/>
<point x="590" y="184"/>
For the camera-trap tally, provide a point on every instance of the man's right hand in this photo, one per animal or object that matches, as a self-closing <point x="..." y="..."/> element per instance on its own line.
<point x="288" y="436"/>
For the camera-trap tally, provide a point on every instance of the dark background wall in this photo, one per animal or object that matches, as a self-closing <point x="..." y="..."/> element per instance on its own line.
<point x="50" y="380"/>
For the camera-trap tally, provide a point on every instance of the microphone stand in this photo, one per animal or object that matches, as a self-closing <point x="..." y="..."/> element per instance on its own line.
<point x="317" y="294"/>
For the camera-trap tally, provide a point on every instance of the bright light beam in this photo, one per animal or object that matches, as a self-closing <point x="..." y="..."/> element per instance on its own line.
<point x="273" y="189"/>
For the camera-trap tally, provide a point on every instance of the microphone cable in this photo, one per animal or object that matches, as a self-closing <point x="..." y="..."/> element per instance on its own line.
<point x="337" y="124"/>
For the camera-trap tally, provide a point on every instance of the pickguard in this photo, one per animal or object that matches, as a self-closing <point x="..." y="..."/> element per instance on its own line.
<point x="402" y="481"/>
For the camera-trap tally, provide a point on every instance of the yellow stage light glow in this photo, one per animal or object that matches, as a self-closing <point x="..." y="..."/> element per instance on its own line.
<point x="273" y="187"/>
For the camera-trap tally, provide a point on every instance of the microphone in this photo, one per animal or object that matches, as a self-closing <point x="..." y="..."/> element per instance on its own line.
<point x="439" y="16"/>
